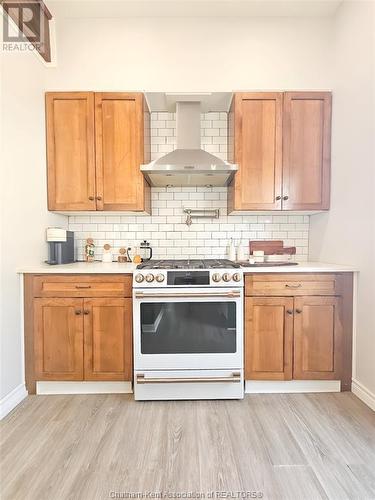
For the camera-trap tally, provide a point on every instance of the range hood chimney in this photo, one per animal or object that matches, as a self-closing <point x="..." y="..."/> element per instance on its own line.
<point x="188" y="164"/>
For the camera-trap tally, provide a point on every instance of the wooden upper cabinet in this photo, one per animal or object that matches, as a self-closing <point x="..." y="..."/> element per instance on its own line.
<point x="255" y="144"/>
<point x="120" y="144"/>
<point x="317" y="338"/>
<point x="306" y="150"/>
<point x="268" y="338"/>
<point x="108" y="339"/>
<point x="70" y="150"/>
<point x="96" y="143"/>
<point x="282" y="145"/>
<point x="58" y="339"/>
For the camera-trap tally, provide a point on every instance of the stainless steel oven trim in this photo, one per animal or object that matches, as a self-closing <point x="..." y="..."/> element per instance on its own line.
<point x="141" y="379"/>
<point x="141" y="295"/>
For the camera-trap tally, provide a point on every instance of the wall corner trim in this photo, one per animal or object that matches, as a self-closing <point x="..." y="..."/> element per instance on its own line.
<point x="363" y="394"/>
<point x="11" y="400"/>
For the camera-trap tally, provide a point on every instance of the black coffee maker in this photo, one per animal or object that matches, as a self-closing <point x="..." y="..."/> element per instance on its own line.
<point x="60" y="246"/>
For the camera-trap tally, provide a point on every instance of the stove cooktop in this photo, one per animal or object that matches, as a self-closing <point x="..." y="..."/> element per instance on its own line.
<point x="189" y="264"/>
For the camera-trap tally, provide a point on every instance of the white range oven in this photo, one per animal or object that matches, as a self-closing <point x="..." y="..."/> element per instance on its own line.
<point x="188" y="330"/>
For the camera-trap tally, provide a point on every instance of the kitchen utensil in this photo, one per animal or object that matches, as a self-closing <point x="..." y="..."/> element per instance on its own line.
<point x="267" y="264"/>
<point x="89" y="250"/>
<point x="258" y="255"/>
<point x="137" y="259"/>
<point x="268" y="247"/>
<point x="122" y="258"/>
<point x="231" y="250"/>
<point x="240" y="251"/>
<point x="145" y="251"/>
<point x="272" y="247"/>
<point x="107" y="254"/>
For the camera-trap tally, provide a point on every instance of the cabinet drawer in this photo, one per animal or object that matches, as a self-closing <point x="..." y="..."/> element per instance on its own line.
<point x="82" y="286"/>
<point x="290" y="284"/>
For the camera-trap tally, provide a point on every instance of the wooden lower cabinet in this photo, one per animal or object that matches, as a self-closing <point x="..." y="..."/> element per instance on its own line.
<point x="298" y="338"/>
<point x="108" y="342"/>
<point x="269" y="338"/>
<point x="82" y="339"/>
<point x="317" y="338"/>
<point x="58" y="339"/>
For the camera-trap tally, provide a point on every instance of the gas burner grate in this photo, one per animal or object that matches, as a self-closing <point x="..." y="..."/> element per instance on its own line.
<point x="189" y="264"/>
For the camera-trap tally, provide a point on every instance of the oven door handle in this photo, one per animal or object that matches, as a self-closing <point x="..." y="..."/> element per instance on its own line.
<point x="141" y="379"/>
<point x="174" y="295"/>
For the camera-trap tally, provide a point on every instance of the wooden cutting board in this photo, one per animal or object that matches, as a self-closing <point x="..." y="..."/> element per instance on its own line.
<point x="271" y="247"/>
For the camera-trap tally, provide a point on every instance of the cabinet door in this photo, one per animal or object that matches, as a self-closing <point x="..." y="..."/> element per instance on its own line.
<point x="257" y="148"/>
<point x="268" y="338"/>
<point x="58" y="339"/>
<point x="306" y="150"/>
<point x="317" y="338"/>
<point x="119" y="129"/>
<point x="108" y="339"/>
<point x="70" y="150"/>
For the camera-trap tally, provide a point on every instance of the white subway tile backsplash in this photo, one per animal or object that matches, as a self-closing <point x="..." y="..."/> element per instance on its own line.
<point x="166" y="229"/>
<point x="113" y="218"/>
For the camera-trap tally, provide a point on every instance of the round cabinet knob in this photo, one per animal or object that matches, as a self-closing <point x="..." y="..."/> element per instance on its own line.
<point x="285" y="198"/>
<point x="149" y="278"/>
<point x="236" y="277"/>
<point x="226" y="277"/>
<point x="139" y="278"/>
<point x="159" y="278"/>
<point x="216" y="277"/>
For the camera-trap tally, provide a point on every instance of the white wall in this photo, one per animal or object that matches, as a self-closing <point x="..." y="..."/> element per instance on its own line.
<point x="346" y="234"/>
<point x="191" y="54"/>
<point x="24" y="213"/>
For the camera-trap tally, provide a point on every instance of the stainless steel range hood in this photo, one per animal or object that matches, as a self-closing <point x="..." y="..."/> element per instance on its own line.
<point x="188" y="164"/>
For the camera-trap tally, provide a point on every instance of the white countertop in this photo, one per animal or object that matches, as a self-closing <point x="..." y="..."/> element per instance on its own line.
<point x="80" y="268"/>
<point x="303" y="267"/>
<point x="116" y="268"/>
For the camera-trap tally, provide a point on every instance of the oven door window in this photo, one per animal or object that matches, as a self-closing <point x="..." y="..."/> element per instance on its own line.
<point x="188" y="327"/>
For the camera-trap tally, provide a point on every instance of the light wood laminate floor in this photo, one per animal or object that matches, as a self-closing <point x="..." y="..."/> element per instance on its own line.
<point x="289" y="446"/>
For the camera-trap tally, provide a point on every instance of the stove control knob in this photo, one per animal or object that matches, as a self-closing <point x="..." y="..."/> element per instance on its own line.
<point x="159" y="278"/>
<point x="236" y="277"/>
<point x="139" y="278"/>
<point x="216" y="277"/>
<point x="149" y="278"/>
<point x="226" y="277"/>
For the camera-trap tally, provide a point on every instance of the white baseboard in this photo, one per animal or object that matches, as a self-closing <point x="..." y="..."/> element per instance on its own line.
<point x="11" y="400"/>
<point x="44" y="387"/>
<point x="363" y="394"/>
<point x="290" y="386"/>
